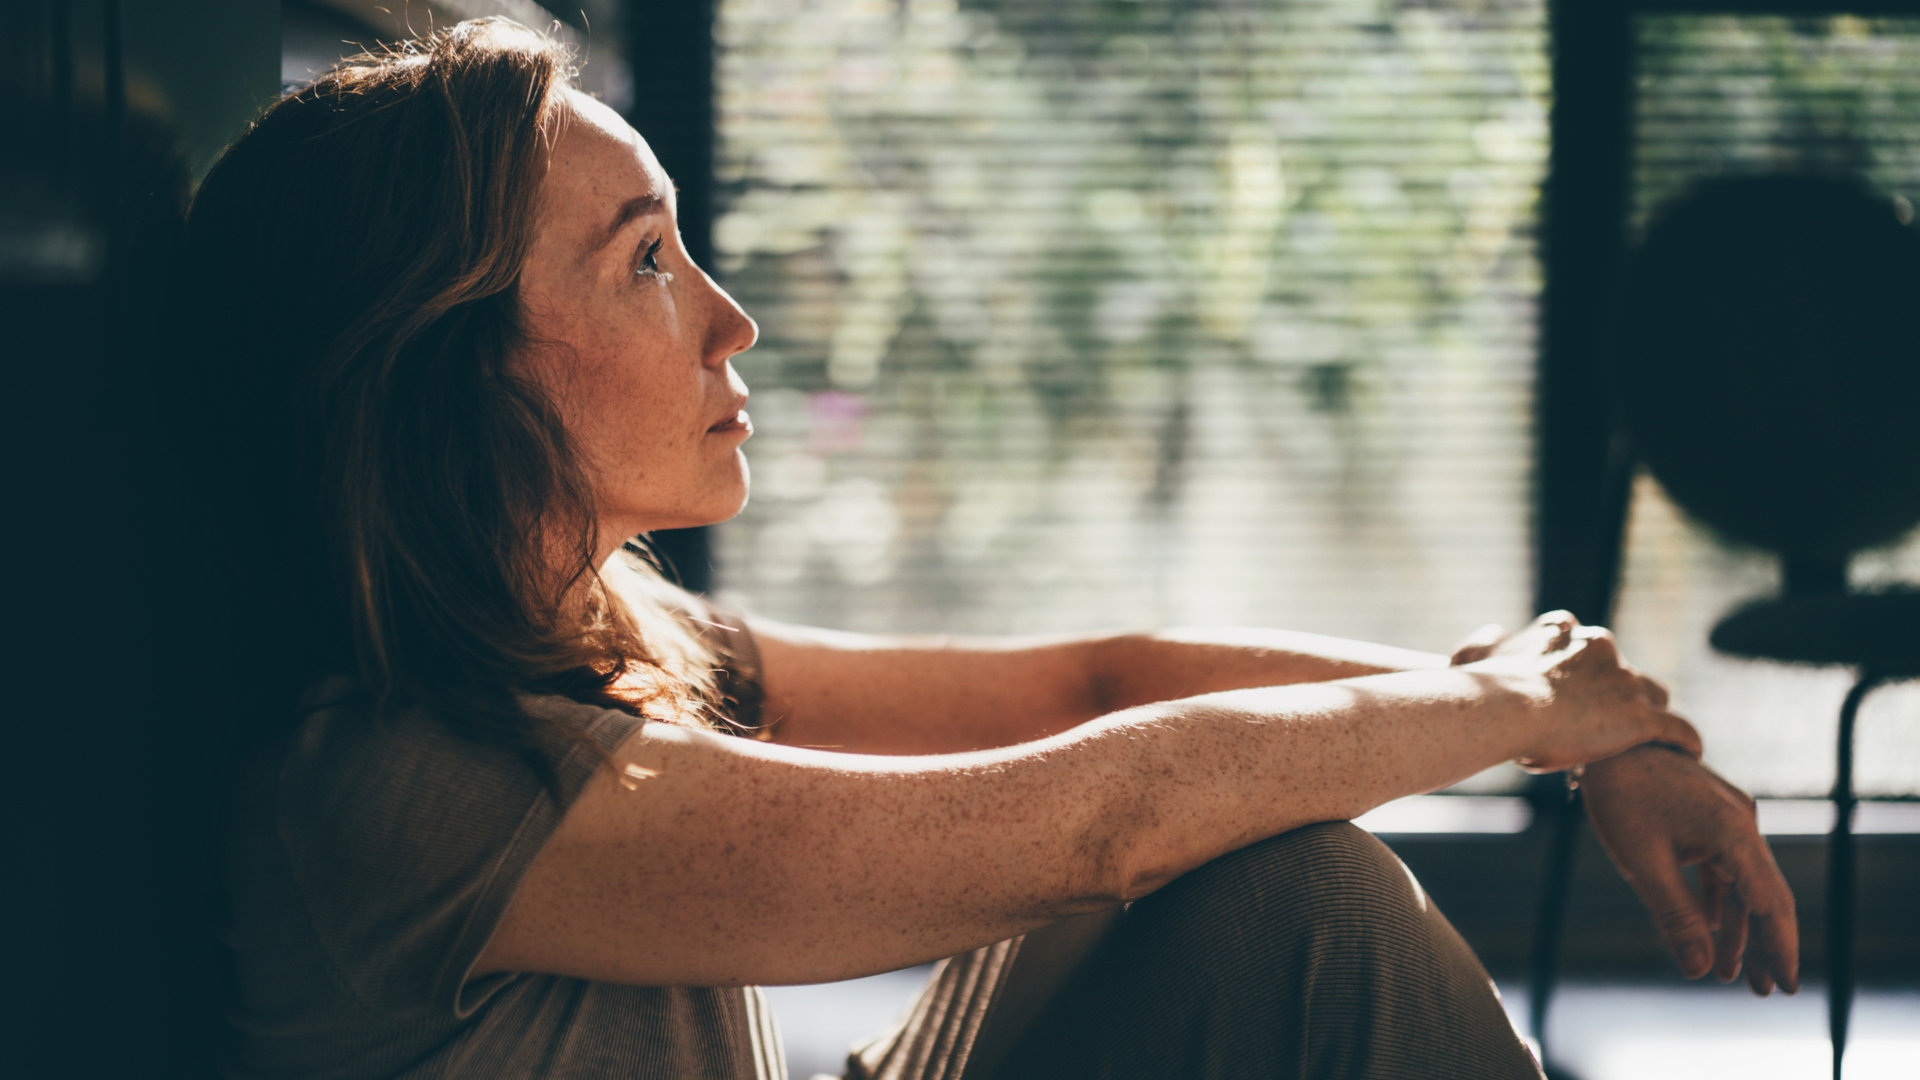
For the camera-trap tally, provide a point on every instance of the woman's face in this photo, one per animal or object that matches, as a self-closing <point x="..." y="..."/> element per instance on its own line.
<point x="630" y="339"/>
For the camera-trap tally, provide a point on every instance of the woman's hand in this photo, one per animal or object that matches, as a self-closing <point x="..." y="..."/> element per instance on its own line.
<point x="1657" y="812"/>
<point x="1590" y="704"/>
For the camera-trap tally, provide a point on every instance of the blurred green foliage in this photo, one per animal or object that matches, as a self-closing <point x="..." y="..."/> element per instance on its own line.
<point x="1154" y="311"/>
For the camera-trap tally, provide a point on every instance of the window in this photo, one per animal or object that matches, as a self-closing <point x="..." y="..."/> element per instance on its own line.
<point x="1132" y="313"/>
<point x="1720" y="95"/>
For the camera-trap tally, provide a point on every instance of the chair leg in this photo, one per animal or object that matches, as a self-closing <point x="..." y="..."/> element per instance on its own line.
<point x="1550" y="923"/>
<point x="1841" y="877"/>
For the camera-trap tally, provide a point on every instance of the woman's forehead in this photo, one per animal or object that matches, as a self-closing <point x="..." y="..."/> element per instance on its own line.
<point x="599" y="162"/>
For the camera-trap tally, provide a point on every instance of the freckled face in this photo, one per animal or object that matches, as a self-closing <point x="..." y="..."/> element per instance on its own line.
<point x="631" y="339"/>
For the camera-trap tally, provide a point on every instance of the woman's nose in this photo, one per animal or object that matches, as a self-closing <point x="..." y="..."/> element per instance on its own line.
<point x="730" y="330"/>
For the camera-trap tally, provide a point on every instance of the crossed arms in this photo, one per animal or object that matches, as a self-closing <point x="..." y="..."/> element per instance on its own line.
<point x="923" y="797"/>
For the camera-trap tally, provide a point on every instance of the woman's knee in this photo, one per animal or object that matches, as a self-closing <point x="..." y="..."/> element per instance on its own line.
<point x="1310" y="954"/>
<point x="1333" y="873"/>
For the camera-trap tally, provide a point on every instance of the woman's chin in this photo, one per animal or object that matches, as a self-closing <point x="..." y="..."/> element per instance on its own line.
<point x="720" y="498"/>
<point x="738" y="484"/>
<point x="731" y="511"/>
<point x="723" y="501"/>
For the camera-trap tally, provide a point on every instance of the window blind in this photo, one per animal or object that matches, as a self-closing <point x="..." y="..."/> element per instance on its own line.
<point x="1132" y="313"/>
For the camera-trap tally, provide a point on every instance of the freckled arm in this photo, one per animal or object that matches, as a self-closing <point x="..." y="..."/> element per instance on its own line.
<point x="727" y="861"/>
<point x="873" y="694"/>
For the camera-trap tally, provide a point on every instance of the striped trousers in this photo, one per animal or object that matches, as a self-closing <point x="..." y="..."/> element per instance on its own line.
<point x="1313" y="954"/>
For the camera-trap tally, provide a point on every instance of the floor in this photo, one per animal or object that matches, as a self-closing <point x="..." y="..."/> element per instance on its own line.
<point x="820" y="1022"/>
<point x="1692" y="1031"/>
<point x="1600" y="1032"/>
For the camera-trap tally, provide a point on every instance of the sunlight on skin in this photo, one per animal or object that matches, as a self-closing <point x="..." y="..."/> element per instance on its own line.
<point x="634" y="340"/>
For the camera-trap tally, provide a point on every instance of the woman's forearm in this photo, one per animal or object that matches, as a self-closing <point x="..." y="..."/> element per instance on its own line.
<point x="888" y="695"/>
<point x="1250" y="763"/>
<point x="1135" y="669"/>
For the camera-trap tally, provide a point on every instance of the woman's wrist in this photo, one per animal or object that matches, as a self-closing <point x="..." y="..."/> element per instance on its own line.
<point x="1627" y="759"/>
<point x="1511" y="707"/>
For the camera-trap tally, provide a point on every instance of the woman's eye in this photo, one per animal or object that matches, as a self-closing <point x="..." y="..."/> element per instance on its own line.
<point x="650" y="261"/>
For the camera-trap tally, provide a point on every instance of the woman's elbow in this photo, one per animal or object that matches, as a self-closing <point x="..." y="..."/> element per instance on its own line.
<point x="1116" y="864"/>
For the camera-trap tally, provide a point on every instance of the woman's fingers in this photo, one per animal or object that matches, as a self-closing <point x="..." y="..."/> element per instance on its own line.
<point x="1599" y="651"/>
<point x="1758" y="922"/>
<point x="1545" y="635"/>
<point x="1656" y="691"/>
<point x="1713" y="896"/>
<point x="1774" y="945"/>
<point x="1775" y="956"/>
<point x="1677" y="912"/>
<point x="1558" y="628"/>
<point x="1731" y="940"/>
<point x="1601" y="704"/>
<point x="1478" y="645"/>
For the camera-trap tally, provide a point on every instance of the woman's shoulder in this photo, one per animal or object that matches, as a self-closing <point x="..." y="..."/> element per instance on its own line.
<point x="348" y="755"/>
<point x="403" y="840"/>
<point x="379" y="797"/>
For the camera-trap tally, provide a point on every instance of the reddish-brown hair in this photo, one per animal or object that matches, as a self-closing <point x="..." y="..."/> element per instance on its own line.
<point x="407" y="495"/>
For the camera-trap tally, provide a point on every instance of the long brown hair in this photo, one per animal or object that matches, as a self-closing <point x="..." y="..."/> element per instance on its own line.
<point x="426" y="520"/>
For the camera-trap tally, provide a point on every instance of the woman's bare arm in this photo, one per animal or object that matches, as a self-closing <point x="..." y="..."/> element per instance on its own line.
<point x="863" y="693"/>
<point x="732" y="862"/>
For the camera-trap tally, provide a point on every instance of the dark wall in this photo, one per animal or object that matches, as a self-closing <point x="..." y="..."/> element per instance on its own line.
<point x="111" y="109"/>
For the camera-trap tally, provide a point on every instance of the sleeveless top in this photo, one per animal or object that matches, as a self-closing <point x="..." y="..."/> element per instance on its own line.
<point x="368" y="867"/>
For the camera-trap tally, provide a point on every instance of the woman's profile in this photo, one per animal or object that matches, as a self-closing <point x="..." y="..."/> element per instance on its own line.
<point x="520" y="808"/>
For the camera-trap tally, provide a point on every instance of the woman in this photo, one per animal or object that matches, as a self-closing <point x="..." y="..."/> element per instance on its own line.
<point x="460" y="360"/>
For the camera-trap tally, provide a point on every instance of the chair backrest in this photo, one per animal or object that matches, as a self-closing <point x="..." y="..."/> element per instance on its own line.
<point x="1769" y="363"/>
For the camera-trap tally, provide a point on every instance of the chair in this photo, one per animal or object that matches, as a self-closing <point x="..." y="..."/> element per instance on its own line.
<point x="1769" y="365"/>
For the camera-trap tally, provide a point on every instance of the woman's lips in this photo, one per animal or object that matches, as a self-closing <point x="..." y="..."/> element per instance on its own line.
<point x="738" y="422"/>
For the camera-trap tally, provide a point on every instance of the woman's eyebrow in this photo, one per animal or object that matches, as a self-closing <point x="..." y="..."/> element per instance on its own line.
<point x="638" y="206"/>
